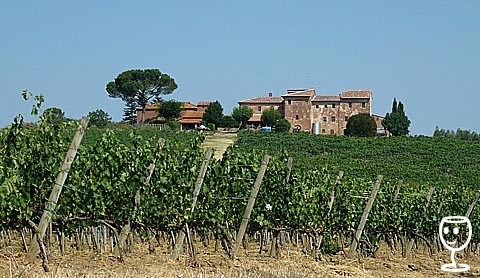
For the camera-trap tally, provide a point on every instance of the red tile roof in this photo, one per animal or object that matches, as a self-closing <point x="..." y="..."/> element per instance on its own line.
<point x="153" y="106"/>
<point x="204" y="103"/>
<point x="192" y="114"/>
<point x="188" y="105"/>
<point x="255" y="118"/>
<point x="190" y="121"/>
<point x="271" y="100"/>
<point x="300" y="93"/>
<point x="327" y="98"/>
<point x="356" y="94"/>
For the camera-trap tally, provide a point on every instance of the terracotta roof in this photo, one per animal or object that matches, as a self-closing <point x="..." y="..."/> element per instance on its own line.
<point x="192" y="114"/>
<point x="327" y="98"/>
<point x="153" y="106"/>
<point x="300" y="93"/>
<point x="263" y="100"/>
<point x="356" y="94"/>
<point x="188" y="105"/>
<point x="190" y="121"/>
<point x="204" y="103"/>
<point x="378" y="120"/>
<point x="255" y="118"/>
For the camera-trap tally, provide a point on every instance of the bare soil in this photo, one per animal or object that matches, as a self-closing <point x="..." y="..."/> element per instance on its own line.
<point x="292" y="263"/>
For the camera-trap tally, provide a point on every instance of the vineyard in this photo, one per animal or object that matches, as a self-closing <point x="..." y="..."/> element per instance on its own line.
<point x="320" y="194"/>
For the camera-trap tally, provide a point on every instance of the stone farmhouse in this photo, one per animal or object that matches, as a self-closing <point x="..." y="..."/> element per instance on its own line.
<point x="190" y="116"/>
<point x="307" y="111"/>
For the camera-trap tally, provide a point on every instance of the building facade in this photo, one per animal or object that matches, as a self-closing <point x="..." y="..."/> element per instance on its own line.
<point x="190" y="116"/>
<point x="304" y="109"/>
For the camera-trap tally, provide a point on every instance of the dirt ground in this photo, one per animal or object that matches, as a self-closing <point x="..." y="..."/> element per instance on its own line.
<point x="292" y="263"/>
<point x="219" y="142"/>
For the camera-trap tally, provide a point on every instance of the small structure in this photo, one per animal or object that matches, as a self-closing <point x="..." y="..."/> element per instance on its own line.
<point x="267" y="129"/>
<point x="381" y="131"/>
<point x="191" y="115"/>
<point x="260" y="104"/>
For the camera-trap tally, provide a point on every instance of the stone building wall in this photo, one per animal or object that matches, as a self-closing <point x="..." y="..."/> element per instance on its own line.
<point x="303" y="108"/>
<point x="297" y="111"/>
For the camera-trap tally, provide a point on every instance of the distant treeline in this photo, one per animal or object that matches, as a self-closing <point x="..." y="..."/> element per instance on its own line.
<point x="459" y="134"/>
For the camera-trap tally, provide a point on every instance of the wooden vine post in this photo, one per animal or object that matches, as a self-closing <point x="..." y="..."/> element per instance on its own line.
<point x="251" y="202"/>
<point x="363" y="220"/>
<point x="332" y="193"/>
<point x="198" y="185"/>
<point x="330" y="202"/>
<point x="472" y="205"/>
<point x="57" y="189"/>
<point x="276" y="233"/>
<point x="126" y="229"/>
<point x="397" y="190"/>
<point x="289" y="168"/>
<point x="412" y="240"/>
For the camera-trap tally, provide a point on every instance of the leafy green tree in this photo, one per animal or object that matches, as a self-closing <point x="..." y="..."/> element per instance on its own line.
<point x="270" y="117"/>
<point x="99" y="118"/>
<point x="214" y="114"/>
<point x="173" y="125"/>
<point x="397" y="123"/>
<point x="53" y="115"/>
<point x="282" y="125"/>
<point x="130" y="111"/>
<point x="170" y="109"/>
<point x="140" y="87"/>
<point x="242" y="114"/>
<point x="459" y="134"/>
<point x="229" y="122"/>
<point x="361" y="125"/>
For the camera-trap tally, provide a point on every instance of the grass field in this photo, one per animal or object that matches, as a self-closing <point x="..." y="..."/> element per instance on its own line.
<point x="219" y="142"/>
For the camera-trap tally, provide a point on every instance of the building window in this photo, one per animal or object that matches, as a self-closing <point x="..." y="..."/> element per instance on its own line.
<point x="333" y="119"/>
<point x="289" y="102"/>
<point x="333" y="105"/>
<point x="326" y="105"/>
<point x="296" y="117"/>
<point x="323" y="130"/>
<point x="332" y="131"/>
<point x="324" y="119"/>
<point x="349" y="105"/>
<point x="316" y="106"/>
<point x="259" y="108"/>
<point x="364" y="104"/>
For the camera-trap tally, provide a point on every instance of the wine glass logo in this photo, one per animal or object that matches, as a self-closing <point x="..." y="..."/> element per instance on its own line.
<point x="453" y="230"/>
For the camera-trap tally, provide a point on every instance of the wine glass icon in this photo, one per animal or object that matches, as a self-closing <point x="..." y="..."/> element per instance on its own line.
<point x="451" y="230"/>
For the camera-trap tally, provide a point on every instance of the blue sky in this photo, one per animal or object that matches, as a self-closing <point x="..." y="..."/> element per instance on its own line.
<point x="424" y="53"/>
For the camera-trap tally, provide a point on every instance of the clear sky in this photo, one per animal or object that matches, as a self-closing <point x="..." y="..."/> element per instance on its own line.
<point x="425" y="53"/>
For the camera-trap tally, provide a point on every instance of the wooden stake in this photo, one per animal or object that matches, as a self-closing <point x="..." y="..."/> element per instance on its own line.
<point x="397" y="190"/>
<point x="363" y="220"/>
<point x="57" y="189"/>
<point x="332" y="193"/>
<point x="289" y="167"/>
<point x="470" y="208"/>
<point x="251" y="202"/>
<point x="412" y="240"/>
<point x="198" y="185"/>
<point x="151" y="168"/>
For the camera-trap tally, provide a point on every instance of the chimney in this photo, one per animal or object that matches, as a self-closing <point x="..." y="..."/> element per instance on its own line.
<point x="270" y="94"/>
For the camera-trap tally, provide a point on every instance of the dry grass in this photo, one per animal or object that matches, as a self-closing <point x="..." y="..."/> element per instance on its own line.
<point x="219" y="142"/>
<point x="210" y="264"/>
<point x="206" y="264"/>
